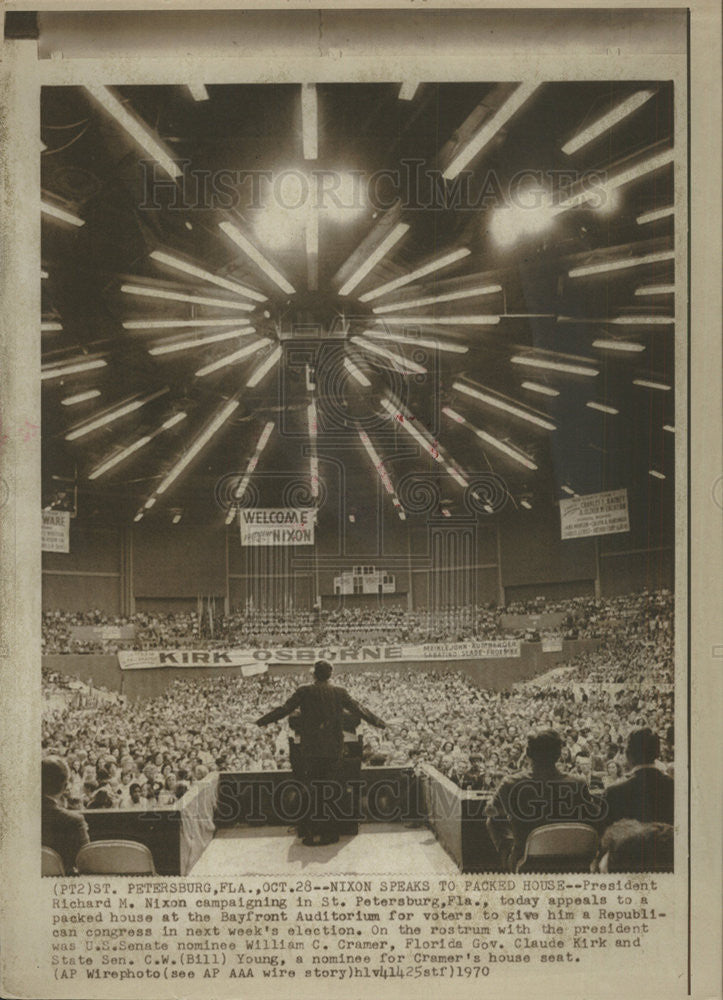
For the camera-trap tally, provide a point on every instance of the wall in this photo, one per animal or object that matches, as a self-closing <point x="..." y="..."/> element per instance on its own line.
<point x="166" y="567"/>
<point x="89" y="575"/>
<point x="102" y="670"/>
<point x="179" y="560"/>
<point x="624" y="572"/>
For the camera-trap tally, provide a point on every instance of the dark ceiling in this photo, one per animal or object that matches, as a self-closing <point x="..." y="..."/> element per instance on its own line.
<point x="94" y="169"/>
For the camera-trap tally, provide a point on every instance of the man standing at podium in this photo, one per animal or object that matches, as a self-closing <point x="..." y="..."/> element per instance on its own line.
<point x="321" y="707"/>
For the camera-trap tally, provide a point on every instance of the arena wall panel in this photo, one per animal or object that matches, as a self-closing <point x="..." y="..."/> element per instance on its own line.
<point x="629" y="572"/>
<point x="551" y="590"/>
<point x="178" y="560"/>
<point x="533" y="552"/>
<point x="92" y="549"/>
<point x="102" y="669"/>
<point x="64" y="591"/>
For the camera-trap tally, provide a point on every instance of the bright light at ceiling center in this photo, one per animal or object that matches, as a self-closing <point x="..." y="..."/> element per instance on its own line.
<point x="528" y="213"/>
<point x="293" y="196"/>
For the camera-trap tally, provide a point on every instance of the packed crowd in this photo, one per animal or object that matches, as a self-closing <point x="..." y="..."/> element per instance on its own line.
<point x="580" y="617"/>
<point x="148" y="754"/>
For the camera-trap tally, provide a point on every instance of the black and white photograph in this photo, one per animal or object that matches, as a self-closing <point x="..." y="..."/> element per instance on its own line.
<point x="358" y="476"/>
<point x="359" y="428"/>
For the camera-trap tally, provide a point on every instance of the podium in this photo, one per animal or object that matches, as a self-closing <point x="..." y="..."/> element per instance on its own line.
<point x="350" y="806"/>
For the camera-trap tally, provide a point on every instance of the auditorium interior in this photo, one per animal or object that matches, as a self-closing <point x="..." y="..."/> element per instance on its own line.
<point x="432" y="325"/>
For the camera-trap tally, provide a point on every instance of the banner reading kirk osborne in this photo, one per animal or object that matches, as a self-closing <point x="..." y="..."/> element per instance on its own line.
<point x="148" y="659"/>
<point x="277" y="526"/>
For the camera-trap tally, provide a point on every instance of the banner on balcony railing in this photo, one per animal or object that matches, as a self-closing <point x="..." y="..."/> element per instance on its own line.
<point x="257" y="660"/>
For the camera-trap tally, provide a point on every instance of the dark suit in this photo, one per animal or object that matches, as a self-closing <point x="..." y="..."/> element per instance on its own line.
<point x="323" y="709"/>
<point x="647" y="795"/>
<point x="63" y="830"/>
<point x="527" y="800"/>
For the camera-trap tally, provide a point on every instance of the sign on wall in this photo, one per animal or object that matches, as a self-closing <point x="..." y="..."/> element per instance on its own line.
<point x="595" y="514"/>
<point x="55" y="531"/>
<point x="277" y="525"/>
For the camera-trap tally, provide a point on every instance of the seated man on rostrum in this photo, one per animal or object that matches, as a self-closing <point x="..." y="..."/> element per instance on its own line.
<point x="537" y="797"/>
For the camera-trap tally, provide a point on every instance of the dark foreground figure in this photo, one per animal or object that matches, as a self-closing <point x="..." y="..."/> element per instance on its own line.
<point x="322" y="707"/>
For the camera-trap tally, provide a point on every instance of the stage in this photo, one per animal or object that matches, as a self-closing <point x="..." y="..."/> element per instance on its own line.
<point x="378" y="848"/>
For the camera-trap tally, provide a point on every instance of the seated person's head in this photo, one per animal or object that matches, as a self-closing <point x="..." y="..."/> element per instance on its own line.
<point x="54" y="776"/>
<point x="135" y="791"/>
<point x="631" y="846"/>
<point x="544" y="747"/>
<point x="643" y="747"/>
<point x="322" y="670"/>
<point x="101" y="800"/>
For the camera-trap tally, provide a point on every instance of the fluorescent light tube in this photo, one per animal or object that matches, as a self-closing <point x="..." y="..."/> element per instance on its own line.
<point x="232" y="359"/>
<point x="257" y="257"/>
<point x="389" y="241"/>
<point x="203" y="275"/>
<point x="617" y="114"/>
<point x="420" y="272"/>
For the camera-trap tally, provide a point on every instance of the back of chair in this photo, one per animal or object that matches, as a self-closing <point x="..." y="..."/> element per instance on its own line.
<point x="559" y="847"/>
<point x="52" y="863"/>
<point x="115" y="857"/>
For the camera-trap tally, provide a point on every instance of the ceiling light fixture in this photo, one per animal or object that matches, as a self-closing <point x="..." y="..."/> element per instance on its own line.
<point x="130" y="406"/>
<point x="489" y="129"/>
<point x="477" y="320"/>
<point x="500" y="404"/>
<point x="553" y="366"/>
<point x="253" y="461"/>
<point x="198" y="93"/>
<point x="400" y="363"/>
<point x="604" y="124"/>
<point x="389" y="241"/>
<point x="232" y="359"/>
<point x="57" y="371"/>
<point x="512" y="453"/>
<point x="655" y="290"/>
<point x="195" y="300"/>
<point x="80" y="397"/>
<point x="310" y="120"/>
<point x="420" y="272"/>
<point x="403" y="338"/>
<point x="602" y="407"/>
<point x="203" y="438"/>
<point x="407" y="90"/>
<point x="544" y="390"/>
<point x="381" y="472"/>
<point x="618" y="265"/>
<point x="171" y="324"/>
<point x="655" y="215"/>
<point x="264" y="368"/>
<point x="257" y="257"/>
<point x="618" y="345"/>
<point x="646" y="384"/>
<point x="428" y="300"/>
<point x="187" y="345"/>
<point x="56" y="212"/>
<point x="213" y="279"/>
<point x="356" y="373"/>
<point x="136" y="129"/>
